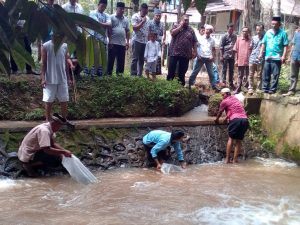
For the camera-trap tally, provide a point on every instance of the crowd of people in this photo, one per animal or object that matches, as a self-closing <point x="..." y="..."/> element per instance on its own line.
<point x="258" y="60"/>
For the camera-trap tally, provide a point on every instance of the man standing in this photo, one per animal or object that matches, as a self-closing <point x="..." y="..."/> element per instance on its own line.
<point x="256" y="64"/>
<point x="183" y="47"/>
<point x="140" y="26"/>
<point x="227" y="54"/>
<point x="295" y="63"/>
<point x="55" y="76"/>
<point x="118" y="36"/>
<point x="275" y="44"/>
<point x="206" y="54"/>
<point x="73" y="7"/>
<point x="158" y="142"/>
<point x="156" y="26"/>
<point x="104" y="21"/>
<point x="242" y="53"/>
<point x="38" y="147"/>
<point x="238" y="123"/>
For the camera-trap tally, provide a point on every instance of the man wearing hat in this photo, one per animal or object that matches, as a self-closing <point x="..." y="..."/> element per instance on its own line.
<point x="157" y="144"/>
<point x="238" y="123"/>
<point x="118" y="36"/>
<point x="38" y="147"/>
<point x="274" y="44"/>
<point x="156" y="26"/>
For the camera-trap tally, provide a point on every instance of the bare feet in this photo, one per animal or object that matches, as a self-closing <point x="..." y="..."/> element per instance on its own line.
<point x="227" y="161"/>
<point x="235" y="161"/>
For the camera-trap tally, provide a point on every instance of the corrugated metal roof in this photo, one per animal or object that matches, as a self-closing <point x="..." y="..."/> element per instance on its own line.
<point x="224" y="5"/>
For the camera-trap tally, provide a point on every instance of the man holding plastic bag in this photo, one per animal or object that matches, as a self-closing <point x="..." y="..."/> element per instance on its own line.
<point x="158" y="145"/>
<point x="39" y="149"/>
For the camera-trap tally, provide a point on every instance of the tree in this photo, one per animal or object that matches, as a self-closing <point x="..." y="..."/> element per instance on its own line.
<point x="276" y="8"/>
<point x="38" y="17"/>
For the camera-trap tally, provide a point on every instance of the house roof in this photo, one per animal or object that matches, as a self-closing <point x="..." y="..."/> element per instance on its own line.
<point x="224" y="5"/>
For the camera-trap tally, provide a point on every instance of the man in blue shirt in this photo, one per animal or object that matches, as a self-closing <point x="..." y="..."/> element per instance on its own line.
<point x="274" y="44"/>
<point x="295" y="63"/>
<point x="158" y="142"/>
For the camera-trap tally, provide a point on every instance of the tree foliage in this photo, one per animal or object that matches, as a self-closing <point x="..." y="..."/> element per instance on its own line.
<point x="38" y="18"/>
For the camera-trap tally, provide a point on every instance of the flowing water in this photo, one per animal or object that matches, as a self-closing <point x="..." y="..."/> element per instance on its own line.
<point x="259" y="191"/>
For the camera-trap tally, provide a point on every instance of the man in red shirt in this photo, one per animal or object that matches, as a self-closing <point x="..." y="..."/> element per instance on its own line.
<point x="238" y="123"/>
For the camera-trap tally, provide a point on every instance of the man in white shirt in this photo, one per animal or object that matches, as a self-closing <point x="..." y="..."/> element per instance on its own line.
<point x="73" y="7"/>
<point x="206" y="54"/>
<point x="55" y="76"/>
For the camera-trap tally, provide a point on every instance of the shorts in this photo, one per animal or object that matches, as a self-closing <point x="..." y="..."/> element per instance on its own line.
<point x="48" y="160"/>
<point x="59" y="91"/>
<point x="237" y="128"/>
<point x="151" y="67"/>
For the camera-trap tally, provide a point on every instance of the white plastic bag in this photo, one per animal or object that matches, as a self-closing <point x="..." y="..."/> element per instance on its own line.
<point x="170" y="168"/>
<point x="77" y="170"/>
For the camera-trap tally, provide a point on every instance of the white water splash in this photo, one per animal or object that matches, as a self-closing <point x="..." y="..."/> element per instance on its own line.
<point x="245" y="213"/>
<point x="140" y="185"/>
<point x="6" y="184"/>
<point x="276" y="162"/>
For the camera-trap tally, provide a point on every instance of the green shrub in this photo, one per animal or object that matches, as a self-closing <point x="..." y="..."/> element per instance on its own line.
<point x="100" y="97"/>
<point x="284" y="83"/>
<point x="291" y="152"/>
<point x="213" y="104"/>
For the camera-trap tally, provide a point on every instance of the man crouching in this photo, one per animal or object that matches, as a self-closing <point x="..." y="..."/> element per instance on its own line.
<point x="158" y="142"/>
<point x="38" y="147"/>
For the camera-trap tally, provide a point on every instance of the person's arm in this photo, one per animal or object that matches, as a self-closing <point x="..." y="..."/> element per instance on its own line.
<point x="127" y="35"/>
<point x="213" y="54"/>
<point x="222" y="48"/>
<point x="236" y="50"/>
<point x="178" y="150"/>
<point x="137" y="26"/>
<point x="176" y="29"/>
<point x="285" y="44"/>
<point x="291" y="52"/>
<point x="161" y="145"/>
<point x="221" y="110"/>
<point x="261" y="51"/>
<point x="57" y="151"/>
<point x="69" y="65"/>
<point x="146" y="52"/>
<point x="158" y="49"/>
<point x="44" y="67"/>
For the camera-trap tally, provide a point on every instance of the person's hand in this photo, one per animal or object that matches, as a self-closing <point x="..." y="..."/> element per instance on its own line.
<point x="43" y="83"/>
<point x="183" y="165"/>
<point x="217" y="121"/>
<point x="144" y="19"/>
<point x="283" y="60"/>
<point x="67" y="153"/>
<point x="288" y="61"/>
<point x="221" y="58"/>
<point x="127" y="46"/>
<point x="71" y="82"/>
<point x="260" y="56"/>
<point x="158" y="166"/>
<point x="236" y="63"/>
<point x="194" y="54"/>
<point x="225" y="121"/>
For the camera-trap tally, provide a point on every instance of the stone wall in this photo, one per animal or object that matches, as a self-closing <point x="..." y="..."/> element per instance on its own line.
<point x="281" y="119"/>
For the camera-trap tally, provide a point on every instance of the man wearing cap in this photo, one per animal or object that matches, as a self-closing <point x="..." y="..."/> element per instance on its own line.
<point x="157" y="27"/>
<point x="274" y="44"/>
<point x="206" y="54"/>
<point x="238" y="123"/>
<point x="118" y="36"/>
<point x="55" y="75"/>
<point x="39" y="148"/>
<point x="140" y="23"/>
<point x="158" y="142"/>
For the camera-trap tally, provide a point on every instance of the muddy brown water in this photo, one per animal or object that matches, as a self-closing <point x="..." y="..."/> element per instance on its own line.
<point x="259" y="191"/>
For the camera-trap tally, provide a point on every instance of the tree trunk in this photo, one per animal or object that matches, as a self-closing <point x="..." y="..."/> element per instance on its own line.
<point x="276" y="8"/>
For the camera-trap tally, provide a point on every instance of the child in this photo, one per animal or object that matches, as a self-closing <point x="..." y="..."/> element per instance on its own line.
<point x="152" y="52"/>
